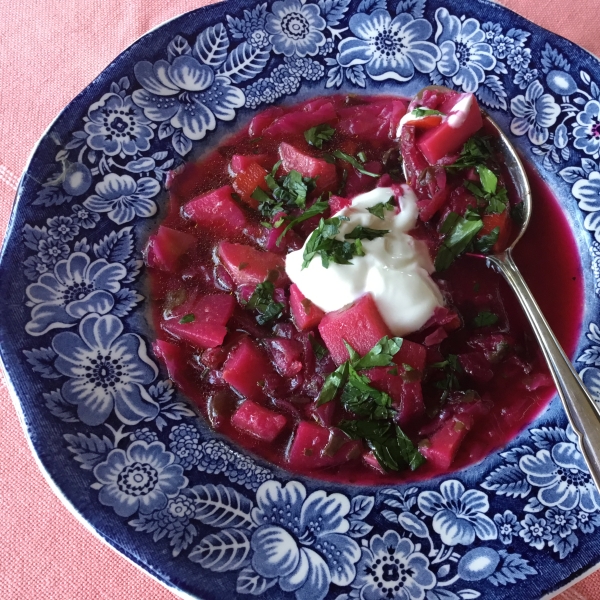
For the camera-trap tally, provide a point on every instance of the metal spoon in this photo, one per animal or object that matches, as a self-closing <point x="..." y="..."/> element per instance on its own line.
<point x="582" y="411"/>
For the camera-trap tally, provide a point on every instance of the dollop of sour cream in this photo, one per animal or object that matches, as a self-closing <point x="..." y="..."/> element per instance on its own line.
<point x="395" y="269"/>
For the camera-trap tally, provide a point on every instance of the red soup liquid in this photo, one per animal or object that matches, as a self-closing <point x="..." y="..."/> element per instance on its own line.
<point x="519" y="389"/>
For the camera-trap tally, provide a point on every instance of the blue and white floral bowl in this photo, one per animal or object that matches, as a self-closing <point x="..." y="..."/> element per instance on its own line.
<point x="123" y="447"/>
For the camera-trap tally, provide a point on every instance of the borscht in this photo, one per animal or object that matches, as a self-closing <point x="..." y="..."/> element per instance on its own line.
<point x="319" y="288"/>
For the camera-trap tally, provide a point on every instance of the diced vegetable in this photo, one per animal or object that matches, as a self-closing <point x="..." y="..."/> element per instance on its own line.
<point x="503" y="222"/>
<point x="337" y="203"/>
<point x="240" y="162"/>
<point x="463" y="120"/>
<point x="202" y="335"/>
<point x="174" y="357"/>
<point x="306" y="315"/>
<point x="263" y="119"/>
<point x="299" y="121"/>
<point x="442" y="446"/>
<point x="308" y="448"/>
<point x="247" y="369"/>
<point x="360" y="325"/>
<point x="286" y="355"/>
<point x="293" y="159"/>
<point x="167" y="246"/>
<point x="247" y="180"/>
<point x="217" y="209"/>
<point x="246" y="264"/>
<point x="258" y="421"/>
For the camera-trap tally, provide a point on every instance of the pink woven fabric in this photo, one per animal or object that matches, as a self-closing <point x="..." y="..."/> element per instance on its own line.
<point x="49" y="51"/>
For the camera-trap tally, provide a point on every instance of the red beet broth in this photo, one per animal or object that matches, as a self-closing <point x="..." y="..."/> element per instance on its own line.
<point x="468" y="285"/>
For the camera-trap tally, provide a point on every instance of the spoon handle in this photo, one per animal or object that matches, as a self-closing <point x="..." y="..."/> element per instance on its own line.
<point x="581" y="409"/>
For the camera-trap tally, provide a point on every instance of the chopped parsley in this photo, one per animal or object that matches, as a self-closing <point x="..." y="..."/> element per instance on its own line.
<point x="365" y="233"/>
<point x="485" y="243"/>
<point x="476" y="151"/>
<point x="485" y="318"/>
<point x="425" y="112"/>
<point x="392" y="448"/>
<point x="289" y="192"/>
<point x="322" y="242"/>
<point x="316" y="136"/>
<point x="189" y="318"/>
<point x="263" y="302"/>
<point x="354" y="162"/>
<point x="316" y="209"/>
<point x="450" y="370"/>
<point x="378" y="209"/>
<point x="460" y="232"/>
<point x="489" y="197"/>
<point x="319" y="350"/>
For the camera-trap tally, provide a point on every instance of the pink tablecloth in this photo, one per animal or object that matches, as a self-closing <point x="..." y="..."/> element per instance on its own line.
<point x="49" y="51"/>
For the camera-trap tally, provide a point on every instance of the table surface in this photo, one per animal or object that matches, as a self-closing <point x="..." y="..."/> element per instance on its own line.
<point x="53" y="50"/>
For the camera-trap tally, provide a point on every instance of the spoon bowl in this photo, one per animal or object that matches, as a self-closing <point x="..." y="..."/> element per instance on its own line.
<point x="582" y="410"/>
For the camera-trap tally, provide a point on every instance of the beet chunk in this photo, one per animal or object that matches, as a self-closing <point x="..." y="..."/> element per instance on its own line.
<point x="307" y="449"/>
<point x="246" y="264"/>
<point x="217" y="209"/>
<point x="306" y="314"/>
<point x="360" y="325"/>
<point x="258" y="421"/>
<point x="167" y="246"/>
<point x="247" y="369"/>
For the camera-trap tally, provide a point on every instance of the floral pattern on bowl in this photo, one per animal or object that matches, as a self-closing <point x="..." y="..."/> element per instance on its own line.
<point x="122" y="445"/>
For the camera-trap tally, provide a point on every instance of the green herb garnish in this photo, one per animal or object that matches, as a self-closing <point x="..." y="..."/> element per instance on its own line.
<point x="354" y="162"/>
<point x="361" y="156"/>
<point x="390" y="445"/>
<point x="189" y="318"/>
<point x="425" y="112"/>
<point x="315" y="136"/>
<point x="378" y="209"/>
<point x="485" y="318"/>
<point x="289" y="192"/>
<point x="316" y="209"/>
<point x="459" y="231"/>
<point x="365" y="233"/>
<point x="450" y="368"/>
<point x="476" y="151"/>
<point x="485" y="243"/>
<point x="263" y="302"/>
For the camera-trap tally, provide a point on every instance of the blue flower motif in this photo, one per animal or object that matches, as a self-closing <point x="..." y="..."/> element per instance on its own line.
<point x="106" y="370"/>
<point x="562" y="475"/>
<point x="51" y="250"/>
<point x="491" y="30"/>
<point x="187" y="94"/>
<point x="307" y="68"/>
<point x="295" y="28"/>
<point x="508" y="526"/>
<point x="124" y="198"/>
<point x="465" y="53"/>
<point x="76" y="288"/>
<point x="389" y="48"/>
<point x="117" y="126"/>
<point x="519" y="58"/>
<point x="535" y="532"/>
<point x="534" y="113"/>
<point x="261" y="92"/>
<point x="458" y="515"/>
<point x="251" y="27"/>
<point x="301" y="540"/>
<point x="144" y="434"/>
<point x="391" y="569"/>
<point x="84" y="217"/>
<point x="502" y="45"/>
<point x="587" y="130"/>
<point x="587" y="191"/>
<point x="141" y="478"/>
<point x="587" y="522"/>
<point x="285" y="80"/>
<point x="561" y="522"/>
<point x="34" y="266"/>
<point x="63" y="229"/>
<point x="185" y="444"/>
<point x="524" y="77"/>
